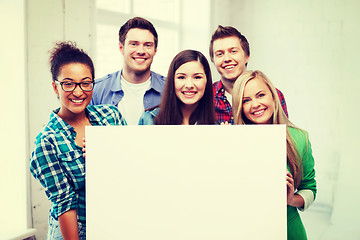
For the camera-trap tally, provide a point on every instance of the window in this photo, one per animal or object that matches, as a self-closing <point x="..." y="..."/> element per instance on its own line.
<point x="179" y="24"/>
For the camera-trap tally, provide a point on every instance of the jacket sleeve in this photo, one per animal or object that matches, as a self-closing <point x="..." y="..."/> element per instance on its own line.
<point x="305" y="151"/>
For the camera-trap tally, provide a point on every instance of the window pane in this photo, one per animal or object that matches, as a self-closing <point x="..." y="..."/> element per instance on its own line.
<point x="108" y="56"/>
<point x="166" y="10"/>
<point x="122" y="6"/>
<point x="168" y="47"/>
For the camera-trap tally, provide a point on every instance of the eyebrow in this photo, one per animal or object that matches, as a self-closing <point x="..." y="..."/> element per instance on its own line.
<point x="198" y="73"/>
<point x="135" y="41"/>
<point x="73" y="79"/>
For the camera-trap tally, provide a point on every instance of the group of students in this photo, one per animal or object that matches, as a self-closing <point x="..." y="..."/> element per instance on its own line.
<point x="136" y="95"/>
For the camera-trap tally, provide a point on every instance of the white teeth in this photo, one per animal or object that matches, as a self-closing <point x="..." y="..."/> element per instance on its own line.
<point x="259" y="112"/>
<point x="77" y="101"/>
<point x="229" y="67"/>
<point x="140" y="60"/>
<point x="189" y="93"/>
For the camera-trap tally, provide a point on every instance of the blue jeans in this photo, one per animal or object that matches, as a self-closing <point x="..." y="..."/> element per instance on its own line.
<point x="54" y="232"/>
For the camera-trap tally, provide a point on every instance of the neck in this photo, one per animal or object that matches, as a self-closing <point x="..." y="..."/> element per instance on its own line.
<point x="135" y="78"/>
<point x="187" y="111"/>
<point x="72" y="118"/>
<point x="228" y="85"/>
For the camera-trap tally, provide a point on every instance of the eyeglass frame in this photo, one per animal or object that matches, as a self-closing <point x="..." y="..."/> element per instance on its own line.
<point x="76" y="84"/>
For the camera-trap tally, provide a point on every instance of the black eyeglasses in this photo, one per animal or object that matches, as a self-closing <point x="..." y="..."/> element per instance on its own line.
<point x="68" y="86"/>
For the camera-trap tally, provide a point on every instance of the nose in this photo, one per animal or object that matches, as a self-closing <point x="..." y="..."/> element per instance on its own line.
<point x="227" y="57"/>
<point x="189" y="83"/>
<point x="140" y="49"/>
<point x="77" y="91"/>
<point x="255" y="103"/>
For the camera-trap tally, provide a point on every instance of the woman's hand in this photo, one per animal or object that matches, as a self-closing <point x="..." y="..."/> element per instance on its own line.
<point x="290" y="188"/>
<point x="225" y="123"/>
<point x="294" y="200"/>
<point x="84" y="149"/>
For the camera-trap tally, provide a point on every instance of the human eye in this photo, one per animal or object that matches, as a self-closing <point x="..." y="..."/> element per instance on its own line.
<point x="68" y="84"/>
<point x="198" y="77"/>
<point x="261" y="95"/>
<point x="180" y="77"/>
<point x="86" y="84"/>
<point x="246" y="100"/>
<point x="234" y="51"/>
<point x="218" y="54"/>
<point x="148" y="45"/>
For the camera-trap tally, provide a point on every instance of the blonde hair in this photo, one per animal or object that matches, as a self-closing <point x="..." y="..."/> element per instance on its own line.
<point x="293" y="158"/>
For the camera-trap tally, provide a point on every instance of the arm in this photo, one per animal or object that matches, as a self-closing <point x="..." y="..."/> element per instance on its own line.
<point x="45" y="166"/>
<point x="307" y="188"/>
<point x="69" y="225"/>
<point x="293" y="199"/>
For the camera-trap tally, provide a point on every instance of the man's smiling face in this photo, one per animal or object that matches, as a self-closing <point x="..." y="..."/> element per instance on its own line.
<point x="138" y="50"/>
<point x="229" y="58"/>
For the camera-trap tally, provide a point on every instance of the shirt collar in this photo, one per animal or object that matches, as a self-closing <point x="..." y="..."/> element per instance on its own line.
<point x="155" y="82"/>
<point x="59" y="123"/>
<point x="220" y="90"/>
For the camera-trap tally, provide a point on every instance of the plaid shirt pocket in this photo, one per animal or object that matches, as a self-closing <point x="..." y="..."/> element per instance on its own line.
<point x="74" y="167"/>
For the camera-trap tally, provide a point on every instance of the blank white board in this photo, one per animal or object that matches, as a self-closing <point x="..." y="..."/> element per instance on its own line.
<point x="186" y="182"/>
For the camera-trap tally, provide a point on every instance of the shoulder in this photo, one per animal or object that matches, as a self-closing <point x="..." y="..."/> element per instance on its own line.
<point x="158" y="77"/>
<point x="101" y="112"/>
<point x="102" y="109"/>
<point x="107" y="79"/>
<point x="300" y="138"/>
<point x="157" y="82"/>
<point x="217" y="84"/>
<point x="147" y="118"/>
<point x="281" y="95"/>
<point x="297" y="133"/>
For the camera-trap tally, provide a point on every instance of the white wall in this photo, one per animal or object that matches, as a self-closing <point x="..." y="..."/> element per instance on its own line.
<point x="13" y="184"/>
<point x="309" y="50"/>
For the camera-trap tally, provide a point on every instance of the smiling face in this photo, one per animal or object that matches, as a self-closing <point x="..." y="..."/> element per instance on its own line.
<point x="229" y="58"/>
<point x="258" y="103"/>
<point x="190" y="82"/>
<point x="73" y="103"/>
<point x="138" y="50"/>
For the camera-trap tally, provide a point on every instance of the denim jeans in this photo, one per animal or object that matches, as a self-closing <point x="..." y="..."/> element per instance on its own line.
<point x="54" y="232"/>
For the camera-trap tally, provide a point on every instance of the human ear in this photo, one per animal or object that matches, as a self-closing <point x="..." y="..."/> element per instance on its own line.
<point x="121" y="48"/>
<point x="247" y="59"/>
<point x="55" y="88"/>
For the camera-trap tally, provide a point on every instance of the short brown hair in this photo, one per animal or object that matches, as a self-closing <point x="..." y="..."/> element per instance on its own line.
<point x="137" y="22"/>
<point x="228" y="31"/>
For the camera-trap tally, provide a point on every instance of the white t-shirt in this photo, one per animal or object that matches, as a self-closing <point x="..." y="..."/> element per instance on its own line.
<point x="131" y="105"/>
<point x="228" y="97"/>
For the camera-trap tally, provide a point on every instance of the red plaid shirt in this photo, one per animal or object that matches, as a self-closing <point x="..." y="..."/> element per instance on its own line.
<point x="223" y="108"/>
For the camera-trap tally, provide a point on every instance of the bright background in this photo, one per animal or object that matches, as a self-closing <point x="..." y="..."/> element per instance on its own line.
<point x="309" y="50"/>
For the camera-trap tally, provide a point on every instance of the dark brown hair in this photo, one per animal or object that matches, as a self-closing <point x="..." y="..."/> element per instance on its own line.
<point x="170" y="106"/>
<point x="137" y="22"/>
<point x="224" y="32"/>
<point x="67" y="52"/>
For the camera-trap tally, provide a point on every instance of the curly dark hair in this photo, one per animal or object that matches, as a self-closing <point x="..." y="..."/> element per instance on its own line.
<point x="67" y="52"/>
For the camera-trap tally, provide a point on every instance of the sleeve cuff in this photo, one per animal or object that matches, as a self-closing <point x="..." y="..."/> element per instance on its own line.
<point x="308" y="197"/>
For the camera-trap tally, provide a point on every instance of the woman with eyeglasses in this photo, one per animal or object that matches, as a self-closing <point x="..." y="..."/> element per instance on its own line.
<point x="57" y="160"/>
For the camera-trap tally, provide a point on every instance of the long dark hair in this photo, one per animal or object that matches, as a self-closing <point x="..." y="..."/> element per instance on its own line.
<point x="170" y="106"/>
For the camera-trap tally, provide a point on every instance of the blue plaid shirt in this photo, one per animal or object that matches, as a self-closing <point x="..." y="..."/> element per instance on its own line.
<point x="57" y="161"/>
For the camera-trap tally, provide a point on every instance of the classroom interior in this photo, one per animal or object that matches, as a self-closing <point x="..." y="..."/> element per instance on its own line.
<point x="308" y="49"/>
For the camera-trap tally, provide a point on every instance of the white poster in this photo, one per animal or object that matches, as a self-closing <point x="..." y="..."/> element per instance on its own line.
<point x="186" y="182"/>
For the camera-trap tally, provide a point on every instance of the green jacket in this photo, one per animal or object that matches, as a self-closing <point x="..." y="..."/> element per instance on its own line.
<point x="295" y="228"/>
